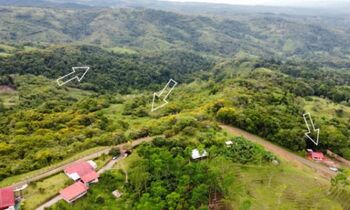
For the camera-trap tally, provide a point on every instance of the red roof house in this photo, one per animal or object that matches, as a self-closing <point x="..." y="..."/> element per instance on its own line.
<point x="7" y="198"/>
<point x="74" y="192"/>
<point x="316" y="156"/>
<point x="90" y="177"/>
<point x="82" y="170"/>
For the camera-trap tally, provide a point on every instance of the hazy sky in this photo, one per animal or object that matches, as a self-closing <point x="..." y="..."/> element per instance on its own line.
<point x="308" y="3"/>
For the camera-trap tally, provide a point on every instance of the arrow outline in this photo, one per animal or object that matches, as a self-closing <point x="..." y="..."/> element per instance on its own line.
<point x="73" y="72"/>
<point x="313" y="128"/>
<point x="159" y="94"/>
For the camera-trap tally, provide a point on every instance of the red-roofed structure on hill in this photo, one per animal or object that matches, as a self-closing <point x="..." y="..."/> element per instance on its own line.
<point x="84" y="171"/>
<point x="7" y="198"/>
<point x="318" y="156"/>
<point x="74" y="192"/>
<point x="91" y="177"/>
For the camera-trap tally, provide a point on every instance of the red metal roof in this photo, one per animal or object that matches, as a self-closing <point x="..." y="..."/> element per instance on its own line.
<point x="89" y="177"/>
<point x="73" y="191"/>
<point x="81" y="168"/>
<point x="7" y="197"/>
<point x="318" y="155"/>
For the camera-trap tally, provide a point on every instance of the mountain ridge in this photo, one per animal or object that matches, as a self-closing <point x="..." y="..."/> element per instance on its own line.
<point x="262" y="35"/>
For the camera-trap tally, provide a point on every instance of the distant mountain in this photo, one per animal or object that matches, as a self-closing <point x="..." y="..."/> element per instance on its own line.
<point x="43" y="3"/>
<point x="317" y="8"/>
<point x="311" y="38"/>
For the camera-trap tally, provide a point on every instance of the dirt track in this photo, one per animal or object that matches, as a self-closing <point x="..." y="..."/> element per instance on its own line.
<point x="282" y="153"/>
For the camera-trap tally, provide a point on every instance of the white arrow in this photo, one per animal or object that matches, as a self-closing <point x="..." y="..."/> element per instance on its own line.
<point x="164" y="94"/>
<point x="78" y="73"/>
<point x="308" y="121"/>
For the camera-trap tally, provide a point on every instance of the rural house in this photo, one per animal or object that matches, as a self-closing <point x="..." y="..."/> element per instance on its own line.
<point x="84" y="171"/>
<point x="7" y="199"/>
<point x="318" y="156"/>
<point x="74" y="192"/>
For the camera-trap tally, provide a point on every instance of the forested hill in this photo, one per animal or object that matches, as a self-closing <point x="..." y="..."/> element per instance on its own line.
<point x="110" y="71"/>
<point x="320" y="39"/>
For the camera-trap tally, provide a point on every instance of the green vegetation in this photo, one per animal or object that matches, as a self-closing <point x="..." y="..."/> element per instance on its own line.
<point x="39" y="192"/>
<point x="260" y="73"/>
<point x="161" y="175"/>
<point x="340" y="190"/>
<point x="323" y="40"/>
<point x="110" y="71"/>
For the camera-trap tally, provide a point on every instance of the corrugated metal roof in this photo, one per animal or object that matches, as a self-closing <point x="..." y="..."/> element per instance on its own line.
<point x="7" y="197"/>
<point x="73" y="191"/>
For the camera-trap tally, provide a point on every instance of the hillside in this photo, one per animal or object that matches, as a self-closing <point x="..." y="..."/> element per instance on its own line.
<point x="110" y="71"/>
<point x="323" y="40"/>
<point x="255" y="72"/>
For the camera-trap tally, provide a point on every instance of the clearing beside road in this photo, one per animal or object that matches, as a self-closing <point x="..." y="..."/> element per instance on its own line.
<point x="282" y="153"/>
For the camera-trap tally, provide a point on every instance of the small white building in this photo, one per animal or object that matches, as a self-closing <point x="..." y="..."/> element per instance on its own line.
<point x="228" y="143"/>
<point x="196" y="154"/>
<point x="117" y="194"/>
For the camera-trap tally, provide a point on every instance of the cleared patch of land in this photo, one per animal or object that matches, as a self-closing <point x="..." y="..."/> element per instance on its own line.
<point x="24" y="177"/>
<point x="325" y="108"/>
<point x="296" y="160"/>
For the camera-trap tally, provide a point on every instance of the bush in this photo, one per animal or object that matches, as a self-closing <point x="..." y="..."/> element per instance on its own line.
<point x="100" y="199"/>
<point x="226" y="115"/>
<point x="115" y="152"/>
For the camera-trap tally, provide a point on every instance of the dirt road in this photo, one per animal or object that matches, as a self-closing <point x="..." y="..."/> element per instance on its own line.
<point x="51" y="172"/>
<point x="108" y="166"/>
<point x="58" y="197"/>
<point x="281" y="152"/>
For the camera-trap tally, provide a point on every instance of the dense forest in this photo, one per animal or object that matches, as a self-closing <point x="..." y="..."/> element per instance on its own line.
<point x="110" y="72"/>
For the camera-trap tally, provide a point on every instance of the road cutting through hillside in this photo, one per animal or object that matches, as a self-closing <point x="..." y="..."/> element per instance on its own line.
<point x="296" y="160"/>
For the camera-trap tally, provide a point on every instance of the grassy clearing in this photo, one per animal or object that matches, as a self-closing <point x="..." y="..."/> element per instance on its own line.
<point x="5" y="54"/>
<point x="127" y="162"/>
<point x="122" y="50"/>
<point x="79" y="94"/>
<point x="284" y="188"/>
<point x="41" y="191"/>
<point x="7" y="48"/>
<point x="278" y="187"/>
<point x="9" y="98"/>
<point x="102" y="160"/>
<point x="14" y="179"/>
<point x="114" y="113"/>
<point x="326" y="108"/>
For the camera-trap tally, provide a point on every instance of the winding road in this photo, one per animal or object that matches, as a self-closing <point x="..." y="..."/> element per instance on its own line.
<point x="296" y="160"/>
